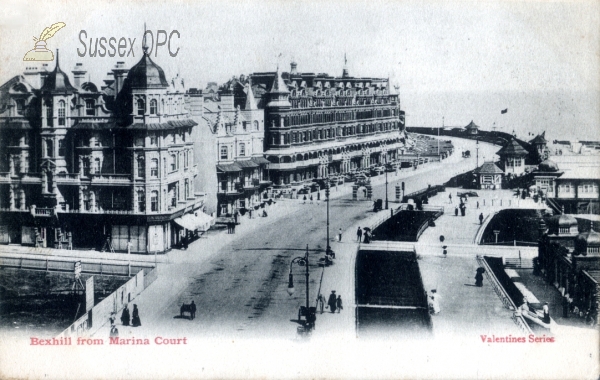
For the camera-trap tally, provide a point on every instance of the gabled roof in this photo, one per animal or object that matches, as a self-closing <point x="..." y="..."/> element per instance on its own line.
<point x="539" y="139"/>
<point x="472" y="125"/>
<point x="488" y="168"/>
<point x="513" y="148"/>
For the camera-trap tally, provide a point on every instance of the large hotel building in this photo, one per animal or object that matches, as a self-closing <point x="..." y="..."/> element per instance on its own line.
<point x="318" y="125"/>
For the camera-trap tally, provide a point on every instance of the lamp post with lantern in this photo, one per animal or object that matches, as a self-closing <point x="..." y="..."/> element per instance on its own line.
<point x="309" y="314"/>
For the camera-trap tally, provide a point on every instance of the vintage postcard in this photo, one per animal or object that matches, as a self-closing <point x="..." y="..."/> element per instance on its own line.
<point x="299" y="189"/>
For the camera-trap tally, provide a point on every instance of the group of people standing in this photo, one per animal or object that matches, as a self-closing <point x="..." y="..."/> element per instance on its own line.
<point x="333" y="303"/>
<point x="126" y="319"/>
<point x="366" y="233"/>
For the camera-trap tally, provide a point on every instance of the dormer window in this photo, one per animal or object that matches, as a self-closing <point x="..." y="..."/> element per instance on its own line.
<point x="90" y="107"/>
<point x="153" y="105"/>
<point x="141" y="109"/>
<point x="61" y="112"/>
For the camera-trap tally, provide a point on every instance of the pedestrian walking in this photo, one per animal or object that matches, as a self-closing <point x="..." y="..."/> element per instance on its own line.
<point x="125" y="316"/>
<point x="311" y="199"/>
<point x="321" y="302"/>
<point x="450" y="196"/>
<point x="192" y="310"/>
<point x="456" y="211"/>
<point x="480" y="218"/>
<point x="112" y="318"/>
<point x="304" y="199"/>
<point x="359" y="234"/>
<point x="114" y="332"/>
<point x="478" y="205"/>
<point x="339" y="304"/>
<point x="332" y="302"/>
<point x="445" y="251"/>
<point x="135" y="321"/>
<point x="340" y="235"/>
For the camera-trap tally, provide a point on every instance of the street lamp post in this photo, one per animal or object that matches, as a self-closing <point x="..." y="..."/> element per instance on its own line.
<point x="327" y="200"/>
<point x="302" y="261"/>
<point x="386" y="181"/>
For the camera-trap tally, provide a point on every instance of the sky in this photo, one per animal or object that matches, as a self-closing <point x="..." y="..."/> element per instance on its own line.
<point x="454" y="61"/>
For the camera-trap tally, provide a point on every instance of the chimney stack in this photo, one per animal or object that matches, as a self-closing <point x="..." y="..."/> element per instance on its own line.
<point x="293" y="68"/>
<point x="119" y="73"/>
<point x="79" y="74"/>
<point x="195" y="102"/>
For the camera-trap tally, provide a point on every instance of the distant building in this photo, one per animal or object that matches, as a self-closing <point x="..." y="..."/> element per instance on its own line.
<point x="489" y="176"/>
<point x="472" y="128"/>
<point x="318" y="125"/>
<point x="83" y="165"/>
<point x="540" y="144"/>
<point x="512" y="157"/>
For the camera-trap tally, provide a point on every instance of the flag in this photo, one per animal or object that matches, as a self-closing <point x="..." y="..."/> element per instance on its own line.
<point x="504" y="111"/>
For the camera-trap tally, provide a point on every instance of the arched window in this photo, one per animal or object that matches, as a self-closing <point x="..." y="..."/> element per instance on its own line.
<point x="154" y="201"/>
<point x="141" y="168"/>
<point x="61" y="112"/>
<point x="141" y="199"/>
<point x="90" y="107"/>
<point x="154" y="167"/>
<point x="187" y="188"/>
<point x="141" y="109"/>
<point x="153" y="107"/>
<point x="61" y="147"/>
<point x="256" y="125"/>
<point x="162" y="106"/>
<point x="242" y="149"/>
<point x="173" y="162"/>
<point x="49" y="114"/>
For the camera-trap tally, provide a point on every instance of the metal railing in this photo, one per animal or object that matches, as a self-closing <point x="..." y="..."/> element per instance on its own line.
<point x="508" y="303"/>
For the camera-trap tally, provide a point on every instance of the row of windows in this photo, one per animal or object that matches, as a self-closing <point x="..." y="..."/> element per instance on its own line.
<point x="174" y="197"/>
<point x="171" y="106"/>
<point x="339" y="92"/>
<point x="320" y="134"/>
<point x="329" y="117"/>
<point x="586" y="188"/>
<point x="224" y="151"/>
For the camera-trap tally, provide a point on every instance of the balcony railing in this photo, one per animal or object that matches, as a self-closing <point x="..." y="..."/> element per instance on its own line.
<point x="111" y="178"/>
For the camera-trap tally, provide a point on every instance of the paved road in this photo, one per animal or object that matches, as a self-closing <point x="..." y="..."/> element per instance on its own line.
<point x="241" y="291"/>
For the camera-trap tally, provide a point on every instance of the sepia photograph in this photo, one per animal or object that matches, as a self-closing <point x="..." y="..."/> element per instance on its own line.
<point x="300" y="189"/>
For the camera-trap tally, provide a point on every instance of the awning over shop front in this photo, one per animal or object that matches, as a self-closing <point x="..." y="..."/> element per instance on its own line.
<point x="260" y="160"/>
<point x="246" y="164"/>
<point x="229" y="168"/>
<point x="197" y="221"/>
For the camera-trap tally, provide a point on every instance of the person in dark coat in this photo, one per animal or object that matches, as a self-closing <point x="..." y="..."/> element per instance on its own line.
<point x="339" y="304"/>
<point x="479" y="278"/>
<point x="359" y="235"/>
<point x="456" y="211"/>
<point x="125" y="316"/>
<point x="546" y="311"/>
<point x="481" y="218"/>
<point x="193" y="310"/>
<point x="135" y="321"/>
<point x="114" y="332"/>
<point x="332" y="302"/>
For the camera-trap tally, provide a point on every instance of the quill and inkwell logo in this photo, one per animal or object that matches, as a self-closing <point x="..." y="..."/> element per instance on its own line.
<point x="40" y="52"/>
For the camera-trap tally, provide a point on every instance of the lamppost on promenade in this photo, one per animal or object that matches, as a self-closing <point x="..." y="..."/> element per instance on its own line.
<point x="386" y="180"/>
<point x="327" y="201"/>
<point x="302" y="261"/>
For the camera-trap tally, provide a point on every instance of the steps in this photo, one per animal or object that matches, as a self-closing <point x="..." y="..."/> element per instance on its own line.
<point x="516" y="263"/>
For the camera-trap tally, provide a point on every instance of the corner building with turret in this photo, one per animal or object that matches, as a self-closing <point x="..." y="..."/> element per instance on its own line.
<point x="98" y="167"/>
<point x="317" y="125"/>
